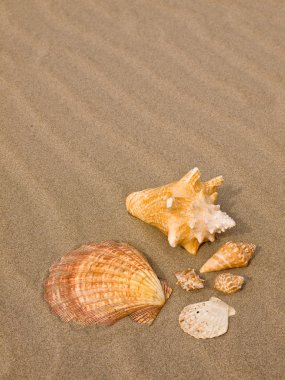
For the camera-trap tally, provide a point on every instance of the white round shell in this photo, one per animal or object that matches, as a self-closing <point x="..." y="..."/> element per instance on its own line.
<point x="205" y="319"/>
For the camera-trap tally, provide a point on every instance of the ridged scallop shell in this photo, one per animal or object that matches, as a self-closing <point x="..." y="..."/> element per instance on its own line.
<point x="230" y="255"/>
<point x="206" y="319"/>
<point x="185" y="211"/>
<point x="228" y="283"/>
<point x="189" y="280"/>
<point x="101" y="283"/>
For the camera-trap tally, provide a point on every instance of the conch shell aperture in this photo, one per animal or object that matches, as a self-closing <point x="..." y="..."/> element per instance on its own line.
<point x="185" y="210"/>
<point x="102" y="283"/>
<point x="230" y="255"/>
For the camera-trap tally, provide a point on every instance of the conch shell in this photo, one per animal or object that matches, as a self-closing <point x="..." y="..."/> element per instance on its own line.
<point x="189" y="280"/>
<point x="230" y="255"/>
<point x="102" y="283"/>
<point x="206" y="319"/>
<point x="228" y="283"/>
<point x="185" y="211"/>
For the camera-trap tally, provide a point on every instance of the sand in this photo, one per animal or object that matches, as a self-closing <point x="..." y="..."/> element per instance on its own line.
<point x="102" y="98"/>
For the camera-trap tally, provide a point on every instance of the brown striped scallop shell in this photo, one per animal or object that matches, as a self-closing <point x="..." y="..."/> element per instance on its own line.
<point x="103" y="282"/>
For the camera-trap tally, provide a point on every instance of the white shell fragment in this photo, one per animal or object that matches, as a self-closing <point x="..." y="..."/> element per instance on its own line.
<point x="206" y="319"/>
<point x="189" y="280"/>
<point x="230" y="309"/>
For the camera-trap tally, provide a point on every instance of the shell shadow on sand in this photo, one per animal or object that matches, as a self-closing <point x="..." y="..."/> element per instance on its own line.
<point x="227" y="198"/>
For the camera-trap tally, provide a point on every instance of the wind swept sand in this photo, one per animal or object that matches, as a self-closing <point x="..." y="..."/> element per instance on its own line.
<point x="102" y="98"/>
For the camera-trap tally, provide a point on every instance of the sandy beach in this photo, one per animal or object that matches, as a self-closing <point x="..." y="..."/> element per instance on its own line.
<point x="103" y="98"/>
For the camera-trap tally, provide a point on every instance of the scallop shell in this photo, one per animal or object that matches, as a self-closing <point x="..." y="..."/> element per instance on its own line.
<point x="102" y="283"/>
<point x="228" y="283"/>
<point x="189" y="280"/>
<point x="185" y="211"/>
<point x="230" y="255"/>
<point x="206" y="319"/>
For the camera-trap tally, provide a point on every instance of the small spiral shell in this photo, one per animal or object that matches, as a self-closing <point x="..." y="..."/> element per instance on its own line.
<point x="189" y="280"/>
<point x="228" y="283"/>
<point x="230" y="255"/>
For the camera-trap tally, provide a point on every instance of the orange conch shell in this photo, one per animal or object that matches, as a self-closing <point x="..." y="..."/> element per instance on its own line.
<point x="185" y="211"/>
<point x="228" y="283"/>
<point x="230" y="255"/>
<point x="189" y="280"/>
<point x="102" y="283"/>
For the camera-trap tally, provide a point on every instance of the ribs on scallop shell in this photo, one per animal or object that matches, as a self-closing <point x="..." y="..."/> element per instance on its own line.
<point x="103" y="282"/>
<point x="185" y="210"/>
<point x="230" y="255"/>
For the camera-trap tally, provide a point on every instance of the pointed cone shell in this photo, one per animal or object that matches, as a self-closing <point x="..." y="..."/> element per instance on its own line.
<point x="185" y="211"/>
<point x="206" y="319"/>
<point x="228" y="283"/>
<point x="102" y="283"/>
<point x="189" y="280"/>
<point x="230" y="255"/>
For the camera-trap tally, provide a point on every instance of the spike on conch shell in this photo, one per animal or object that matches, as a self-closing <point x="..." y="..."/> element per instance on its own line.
<point x="230" y="255"/>
<point x="185" y="210"/>
<point x="102" y="283"/>
<point x="228" y="283"/>
<point x="189" y="280"/>
<point x="206" y="319"/>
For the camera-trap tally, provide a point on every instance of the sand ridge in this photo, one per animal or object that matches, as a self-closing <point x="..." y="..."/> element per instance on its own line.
<point x="103" y="98"/>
